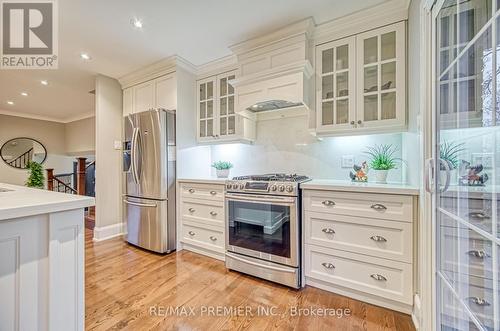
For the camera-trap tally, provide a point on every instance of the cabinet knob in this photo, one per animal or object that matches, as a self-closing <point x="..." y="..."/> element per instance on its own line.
<point x="213" y="238"/>
<point x="352" y="122"/>
<point x="378" y="238"/>
<point x="328" y="231"/>
<point x="328" y="203"/>
<point x="378" y="207"/>
<point x="328" y="265"/>
<point x="213" y="213"/>
<point x="378" y="277"/>
<point x="191" y="233"/>
<point x="359" y="122"/>
<point x="213" y="192"/>
<point x="191" y="210"/>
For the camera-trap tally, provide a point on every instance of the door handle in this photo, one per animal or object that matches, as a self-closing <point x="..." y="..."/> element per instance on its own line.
<point x="378" y="277"/>
<point x="328" y="203"/>
<point x="328" y="265"/>
<point x="191" y="233"/>
<point x="213" y="192"/>
<point x="328" y="231"/>
<point x="191" y="210"/>
<point x="378" y="238"/>
<point x="138" y="204"/>
<point x="265" y="266"/>
<point x="429" y="171"/>
<point x="191" y="191"/>
<point x="378" y="207"/>
<point x="213" y="238"/>
<point x="213" y="213"/>
<point x="133" y="155"/>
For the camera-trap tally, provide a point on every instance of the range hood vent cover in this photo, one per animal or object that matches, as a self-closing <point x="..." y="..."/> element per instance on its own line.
<point x="272" y="105"/>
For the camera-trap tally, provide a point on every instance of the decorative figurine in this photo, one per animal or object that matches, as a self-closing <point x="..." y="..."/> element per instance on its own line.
<point x="360" y="174"/>
<point x="470" y="175"/>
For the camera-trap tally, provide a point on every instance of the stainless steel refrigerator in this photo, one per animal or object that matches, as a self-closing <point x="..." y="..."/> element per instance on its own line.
<point x="149" y="175"/>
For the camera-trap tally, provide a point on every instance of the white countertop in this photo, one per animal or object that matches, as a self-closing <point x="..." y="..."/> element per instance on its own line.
<point x="205" y="180"/>
<point x="23" y="201"/>
<point x="343" y="185"/>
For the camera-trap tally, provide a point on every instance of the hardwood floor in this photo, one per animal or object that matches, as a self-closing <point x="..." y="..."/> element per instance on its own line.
<point x="128" y="288"/>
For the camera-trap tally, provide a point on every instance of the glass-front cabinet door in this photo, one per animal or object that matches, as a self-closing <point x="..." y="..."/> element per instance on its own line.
<point x="381" y="69"/>
<point x="467" y="149"/>
<point x="335" y="65"/>
<point x="206" y="106"/>
<point x="227" y="116"/>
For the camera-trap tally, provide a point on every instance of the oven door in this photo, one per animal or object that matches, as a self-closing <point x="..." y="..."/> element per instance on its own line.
<point x="263" y="226"/>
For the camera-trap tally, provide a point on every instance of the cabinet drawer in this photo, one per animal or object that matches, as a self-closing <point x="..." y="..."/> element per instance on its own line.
<point x="203" y="191"/>
<point x="382" y="206"/>
<point x="387" y="279"/>
<point x="203" y="212"/>
<point x="202" y="237"/>
<point x="379" y="238"/>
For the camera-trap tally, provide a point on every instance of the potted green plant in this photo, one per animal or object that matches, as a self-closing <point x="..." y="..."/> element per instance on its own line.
<point x="382" y="160"/>
<point x="36" y="178"/>
<point x="222" y="168"/>
<point x="449" y="152"/>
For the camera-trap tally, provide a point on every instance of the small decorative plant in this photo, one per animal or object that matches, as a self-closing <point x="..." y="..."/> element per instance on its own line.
<point x="36" y="178"/>
<point x="449" y="152"/>
<point x="382" y="160"/>
<point x="222" y="168"/>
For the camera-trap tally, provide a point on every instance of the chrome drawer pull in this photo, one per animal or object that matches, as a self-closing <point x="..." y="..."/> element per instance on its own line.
<point x="328" y="231"/>
<point x="213" y="238"/>
<point x="191" y="190"/>
<point x="213" y="192"/>
<point x="378" y="277"/>
<point x="213" y="213"/>
<point x="479" y="301"/>
<point x="378" y="238"/>
<point x="191" y="210"/>
<point x="191" y="233"/>
<point x="480" y="254"/>
<point x="378" y="207"/>
<point x="328" y="203"/>
<point x="479" y="215"/>
<point x="328" y="265"/>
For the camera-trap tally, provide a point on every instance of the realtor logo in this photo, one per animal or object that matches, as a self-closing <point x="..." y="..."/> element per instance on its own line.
<point x="29" y="34"/>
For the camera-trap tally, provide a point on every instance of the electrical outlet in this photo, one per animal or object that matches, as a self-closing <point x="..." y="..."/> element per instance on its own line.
<point x="347" y="161"/>
<point x="486" y="159"/>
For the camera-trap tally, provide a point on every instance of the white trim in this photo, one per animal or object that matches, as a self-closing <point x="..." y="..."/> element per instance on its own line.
<point x="47" y="118"/>
<point x="215" y="67"/>
<point x="108" y="232"/>
<point x="416" y="314"/>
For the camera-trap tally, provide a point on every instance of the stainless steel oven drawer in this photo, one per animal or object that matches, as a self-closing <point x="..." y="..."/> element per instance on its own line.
<point x="263" y="269"/>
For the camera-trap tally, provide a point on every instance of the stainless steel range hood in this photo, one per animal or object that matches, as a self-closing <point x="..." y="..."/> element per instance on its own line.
<point x="272" y="105"/>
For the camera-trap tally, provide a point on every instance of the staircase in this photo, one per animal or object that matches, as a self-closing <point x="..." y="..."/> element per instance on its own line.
<point x="82" y="178"/>
<point x="22" y="160"/>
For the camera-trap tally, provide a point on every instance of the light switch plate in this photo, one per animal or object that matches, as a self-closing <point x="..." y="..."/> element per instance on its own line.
<point x="347" y="161"/>
<point x="117" y="144"/>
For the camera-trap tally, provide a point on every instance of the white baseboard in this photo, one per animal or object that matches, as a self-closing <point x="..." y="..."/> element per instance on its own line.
<point x="416" y="314"/>
<point x="108" y="232"/>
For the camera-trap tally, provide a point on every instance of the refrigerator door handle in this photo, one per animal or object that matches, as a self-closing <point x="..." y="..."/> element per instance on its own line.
<point x="429" y="172"/>
<point x="134" y="156"/>
<point x="138" y="204"/>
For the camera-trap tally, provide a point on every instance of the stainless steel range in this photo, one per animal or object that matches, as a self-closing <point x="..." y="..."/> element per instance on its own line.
<point x="263" y="226"/>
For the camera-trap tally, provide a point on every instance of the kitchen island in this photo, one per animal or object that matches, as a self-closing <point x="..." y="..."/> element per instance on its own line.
<point x="41" y="259"/>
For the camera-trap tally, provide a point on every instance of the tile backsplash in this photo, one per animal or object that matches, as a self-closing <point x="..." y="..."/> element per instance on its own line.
<point x="285" y="145"/>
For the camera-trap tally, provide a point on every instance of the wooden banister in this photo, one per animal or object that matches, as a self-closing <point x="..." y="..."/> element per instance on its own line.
<point x="50" y="179"/>
<point x="80" y="175"/>
<point x="22" y="160"/>
<point x="63" y="187"/>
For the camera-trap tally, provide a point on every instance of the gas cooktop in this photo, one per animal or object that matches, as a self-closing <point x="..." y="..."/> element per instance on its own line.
<point x="275" y="184"/>
<point x="274" y="178"/>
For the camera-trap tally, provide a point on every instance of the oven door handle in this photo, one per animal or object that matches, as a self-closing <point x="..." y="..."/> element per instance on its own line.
<point x="260" y="265"/>
<point x="260" y="198"/>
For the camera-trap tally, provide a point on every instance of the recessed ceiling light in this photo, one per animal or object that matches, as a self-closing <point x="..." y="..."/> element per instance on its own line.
<point x="10" y="102"/>
<point x="85" y="56"/>
<point x="24" y="94"/>
<point x="137" y="23"/>
<point x="44" y="82"/>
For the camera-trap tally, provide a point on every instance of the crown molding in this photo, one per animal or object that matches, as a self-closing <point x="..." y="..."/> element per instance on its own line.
<point x="366" y="19"/>
<point x="304" y="67"/>
<point x="226" y="63"/>
<point x="47" y="118"/>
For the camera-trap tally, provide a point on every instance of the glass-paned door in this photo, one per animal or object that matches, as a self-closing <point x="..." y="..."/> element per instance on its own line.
<point x="206" y="113"/>
<point x="335" y="63"/>
<point x="227" y="116"/>
<point x="381" y="77"/>
<point x="467" y="172"/>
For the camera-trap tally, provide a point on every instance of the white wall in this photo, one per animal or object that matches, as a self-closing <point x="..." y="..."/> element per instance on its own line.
<point x="80" y="137"/>
<point x="108" y="160"/>
<point x="285" y="145"/>
<point x="50" y="134"/>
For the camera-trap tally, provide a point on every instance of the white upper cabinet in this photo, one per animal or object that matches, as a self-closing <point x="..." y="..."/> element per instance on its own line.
<point x="217" y="118"/>
<point x="361" y="82"/>
<point x="153" y="94"/>
<point x="335" y="79"/>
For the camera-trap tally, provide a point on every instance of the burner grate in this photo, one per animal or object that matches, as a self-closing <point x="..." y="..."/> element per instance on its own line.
<point x="274" y="178"/>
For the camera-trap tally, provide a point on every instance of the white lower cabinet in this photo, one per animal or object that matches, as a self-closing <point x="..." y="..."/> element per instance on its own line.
<point x="360" y="245"/>
<point x="201" y="217"/>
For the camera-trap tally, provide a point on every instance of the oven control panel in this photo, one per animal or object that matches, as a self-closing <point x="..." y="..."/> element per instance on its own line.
<point x="275" y="188"/>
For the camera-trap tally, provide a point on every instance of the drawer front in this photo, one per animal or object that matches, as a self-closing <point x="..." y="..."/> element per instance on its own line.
<point x="202" y="191"/>
<point x="381" y="206"/>
<point x="387" y="279"/>
<point x="379" y="238"/>
<point x="204" y="212"/>
<point x="202" y="237"/>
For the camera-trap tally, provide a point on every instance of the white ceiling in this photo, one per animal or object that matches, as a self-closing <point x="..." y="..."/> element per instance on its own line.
<point x="197" y="30"/>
